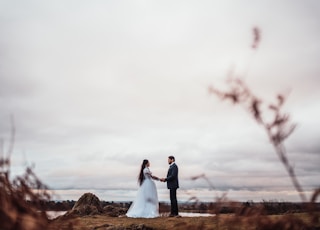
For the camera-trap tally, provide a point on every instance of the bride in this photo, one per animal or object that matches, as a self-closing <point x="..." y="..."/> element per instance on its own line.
<point x="146" y="203"/>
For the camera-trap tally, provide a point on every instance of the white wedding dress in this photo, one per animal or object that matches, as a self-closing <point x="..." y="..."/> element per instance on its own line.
<point x="146" y="204"/>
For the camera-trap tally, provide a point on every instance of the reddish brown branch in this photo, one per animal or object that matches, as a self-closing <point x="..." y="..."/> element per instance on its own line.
<point x="278" y="130"/>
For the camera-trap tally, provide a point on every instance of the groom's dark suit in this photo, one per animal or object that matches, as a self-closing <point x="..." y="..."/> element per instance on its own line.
<point x="173" y="185"/>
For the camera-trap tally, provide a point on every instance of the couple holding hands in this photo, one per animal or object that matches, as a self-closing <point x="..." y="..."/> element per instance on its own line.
<point x="146" y="204"/>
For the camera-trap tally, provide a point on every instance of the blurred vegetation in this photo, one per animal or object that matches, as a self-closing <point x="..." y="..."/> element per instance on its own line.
<point x="21" y="197"/>
<point x="278" y="129"/>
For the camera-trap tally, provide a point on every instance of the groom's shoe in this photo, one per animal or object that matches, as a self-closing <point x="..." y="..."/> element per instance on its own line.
<point x="171" y="215"/>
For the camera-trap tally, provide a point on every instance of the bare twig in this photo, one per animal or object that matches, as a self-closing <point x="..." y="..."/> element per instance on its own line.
<point x="21" y="199"/>
<point x="278" y="129"/>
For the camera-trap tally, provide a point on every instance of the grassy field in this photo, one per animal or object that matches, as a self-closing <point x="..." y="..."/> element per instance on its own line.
<point x="222" y="222"/>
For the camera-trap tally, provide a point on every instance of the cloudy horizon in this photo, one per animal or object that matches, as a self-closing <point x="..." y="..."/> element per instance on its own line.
<point x="96" y="87"/>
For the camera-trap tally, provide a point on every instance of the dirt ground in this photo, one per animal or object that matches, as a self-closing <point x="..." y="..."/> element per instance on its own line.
<point x="224" y="221"/>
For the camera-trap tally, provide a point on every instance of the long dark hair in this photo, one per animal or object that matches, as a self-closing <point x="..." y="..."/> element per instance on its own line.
<point x="141" y="177"/>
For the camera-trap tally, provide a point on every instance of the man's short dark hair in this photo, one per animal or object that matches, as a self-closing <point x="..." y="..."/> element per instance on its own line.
<point x="171" y="157"/>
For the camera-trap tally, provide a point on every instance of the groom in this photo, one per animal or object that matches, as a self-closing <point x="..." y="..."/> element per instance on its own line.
<point x="172" y="185"/>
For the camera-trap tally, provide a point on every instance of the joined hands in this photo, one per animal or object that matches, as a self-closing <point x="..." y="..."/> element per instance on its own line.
<point x="160" y="179"/>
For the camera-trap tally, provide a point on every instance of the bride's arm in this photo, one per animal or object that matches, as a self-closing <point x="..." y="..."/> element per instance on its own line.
<point x="153" y="177"/>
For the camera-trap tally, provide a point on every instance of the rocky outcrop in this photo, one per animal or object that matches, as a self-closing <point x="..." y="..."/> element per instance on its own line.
<point x="88" y="204"/>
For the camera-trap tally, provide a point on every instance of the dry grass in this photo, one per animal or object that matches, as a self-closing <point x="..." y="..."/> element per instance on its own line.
<point x="94" y="222"/>
<point x="20" y="198"/>
<point x="226" y="221"/>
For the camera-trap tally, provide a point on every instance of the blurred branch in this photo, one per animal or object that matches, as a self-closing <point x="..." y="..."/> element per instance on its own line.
<point x="278" y="129"/>
<point x="205" y="178"/>
<point x="12" y="138"/>
<point x="21" y="200"/>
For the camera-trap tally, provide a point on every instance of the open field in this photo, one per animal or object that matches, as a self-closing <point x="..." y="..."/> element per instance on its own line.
<point x="222" y="222"/>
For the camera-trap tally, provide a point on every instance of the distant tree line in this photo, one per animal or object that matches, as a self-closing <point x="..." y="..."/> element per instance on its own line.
<point x="267" y="207"/>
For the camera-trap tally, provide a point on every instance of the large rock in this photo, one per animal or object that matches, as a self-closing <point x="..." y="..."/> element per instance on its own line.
<point x="88" y="204"/>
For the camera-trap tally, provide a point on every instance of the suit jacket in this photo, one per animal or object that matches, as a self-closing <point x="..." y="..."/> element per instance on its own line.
<point x="172" y="177"/>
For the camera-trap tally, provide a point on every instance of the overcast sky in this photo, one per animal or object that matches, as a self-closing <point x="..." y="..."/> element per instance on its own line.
<point x="95" y="87"/>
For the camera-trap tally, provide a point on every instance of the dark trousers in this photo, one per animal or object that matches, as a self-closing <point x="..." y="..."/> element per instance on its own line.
<point x="174" y="202"/>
